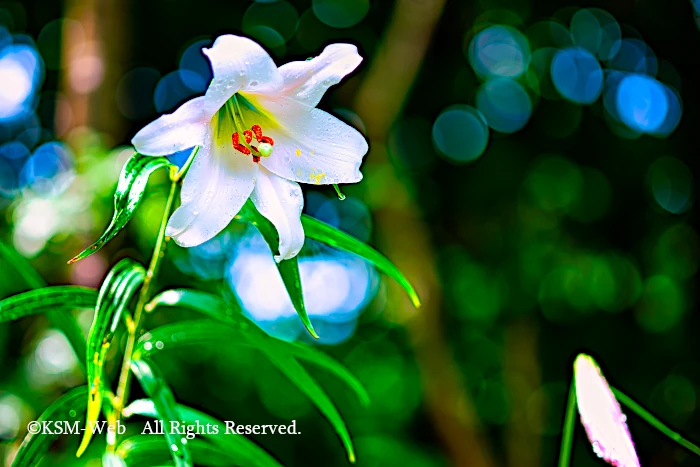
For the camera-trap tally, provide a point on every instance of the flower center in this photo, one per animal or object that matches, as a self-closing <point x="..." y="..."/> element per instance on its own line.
<point x="265" y="143"/>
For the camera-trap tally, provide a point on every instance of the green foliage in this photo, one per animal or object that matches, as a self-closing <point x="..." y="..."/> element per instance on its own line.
<point x="324" y="233"/>
<point x="288" y="268"/>
<point x="283" y="355"/>
<point x="127" y="197"/>
<point x="241" y="449"/>
<point x="567" y="438"/>
<point x="112" y="304"/>
<point x="149" y="451"/>
<point x="57" y="315"/>
<point x="60" y="298"/>
<point x="70" y="407"/>
<point x="116" y="292"/>
<point x="163" y="399"/>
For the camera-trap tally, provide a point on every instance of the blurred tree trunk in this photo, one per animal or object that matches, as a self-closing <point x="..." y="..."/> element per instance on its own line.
<point x="522" y="372"/>
<point x="405" y="237"/>
<point x="93" y="55"/>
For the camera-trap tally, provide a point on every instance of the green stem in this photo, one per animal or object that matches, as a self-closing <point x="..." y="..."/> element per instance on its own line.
<point x="62" y="320"/>
<point x="122" y="393"/>
<point x="655" y="422"/>
<point x="568" y="429"/>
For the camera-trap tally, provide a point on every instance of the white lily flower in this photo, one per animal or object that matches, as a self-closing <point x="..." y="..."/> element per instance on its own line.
<point x="605" y="424"/>
<point x="259" y="134"/>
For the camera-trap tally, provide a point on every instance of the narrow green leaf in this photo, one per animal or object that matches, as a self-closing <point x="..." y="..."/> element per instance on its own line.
<point x="127" y="197"/>
<point x="567" y="433"/>
<point x="655" y="422"/>
<point x="246" y="332"/>
<point x="63" y="321"/>
<point x="324" y="361"/>
<point x="322" y="232"/>
<point x="185" y="334"/>
<point x="149" y="450"/>
<point x="280" y="353"/>
<point x="69" y="408"/>
<point x="288" y="268"/>
<point x="157" y="389"/>
<point x="61" y="299"/>
<point x="301" y="378"/>
<point x="245" y="452"/>
<point x="119" y="287"/>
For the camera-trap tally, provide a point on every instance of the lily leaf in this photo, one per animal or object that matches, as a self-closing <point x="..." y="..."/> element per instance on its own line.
<point x="288" y="268"/>
<point x="68" y="408"/>
<point x="148" y="451"/>
<point x="245" y="452"/>
<point x="322" y="232"/>
<point x="60" y="298"/>
<point x="157" y="389"/>
<point x="127" y="197"/>
<point x="58" y="316"/>
<point x="243" y="332"/>
<point x="116" y="292"/>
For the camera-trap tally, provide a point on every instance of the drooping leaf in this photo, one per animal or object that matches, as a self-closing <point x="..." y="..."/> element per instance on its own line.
<point x="69" y="408"/>
<point x="324" y="233"/>
<point x="301" y="378"/>
<point x="117" y="290"/>
<point x="127" y="197"/>
<point x="280" y="353"/>
<point x="63" y="321"/>
<point x="319" y="358"/>
<point x="245" y="452"/>
<point x="288" y="268"/>
<point x="157" y="389"/>
<point x="150" y="450"/>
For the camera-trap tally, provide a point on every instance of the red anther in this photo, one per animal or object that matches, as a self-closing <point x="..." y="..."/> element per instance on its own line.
<point x="256" y="159"/>
<point x="237" y="146"/>
<point x="267" y="139"/>
<point x="248" y="136"/>
<point x="258" y="132"/>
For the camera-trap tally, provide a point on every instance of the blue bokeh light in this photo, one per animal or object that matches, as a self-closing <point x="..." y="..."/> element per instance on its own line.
<point x="634" y="56"/>
<point x="460" y="133"/>
<point x="21" y="72"/>
<point x="499" y="51"/>
<point x="194" y="60"/>
<point x="642" y="103"/>
<point x="673" y="116"/>
<point x="171" y="91"/>
<point x="577" y="75"/>
<point x="505" y="105"/>
<point x="336" y="286"/>
<point x="49" y="170"/>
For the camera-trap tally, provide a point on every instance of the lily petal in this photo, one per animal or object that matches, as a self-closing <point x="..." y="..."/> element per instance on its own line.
<point x="215" y="188"/>
<point x="281" y="202"/>
<point x="182" y="129"/>
<point x="311" y="146"/>
<point x="239" y="64"/>
<point x="601" y="415"/>
<point x="307" y="81"/>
